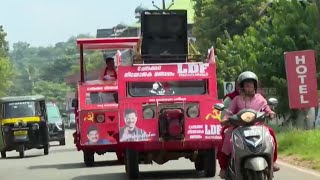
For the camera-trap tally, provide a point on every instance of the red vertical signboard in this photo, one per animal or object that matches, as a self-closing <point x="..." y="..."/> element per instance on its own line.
<point x="301" y="79"/>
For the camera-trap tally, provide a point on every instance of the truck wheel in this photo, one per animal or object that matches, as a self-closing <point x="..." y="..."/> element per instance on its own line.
<point x="210" y="163"/>
<point x="88" y="158"/>
<point x="199" y="164"/>
<point x="62" y="142"/>
<point x="46" y="149"/>
<point x="21" y="151"/>
<point x="3" y="154"/>
<point x="132" y="164"/>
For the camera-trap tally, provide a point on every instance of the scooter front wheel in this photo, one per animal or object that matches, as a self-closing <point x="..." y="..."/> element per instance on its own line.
<point x="257" y="175"/>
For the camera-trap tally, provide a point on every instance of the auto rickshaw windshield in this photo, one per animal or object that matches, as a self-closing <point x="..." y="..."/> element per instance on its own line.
<point x="19" y="109"/>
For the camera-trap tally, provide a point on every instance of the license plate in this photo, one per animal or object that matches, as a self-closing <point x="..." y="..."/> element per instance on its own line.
<point x="250" y="133"/>
<point x="20" y="133"/>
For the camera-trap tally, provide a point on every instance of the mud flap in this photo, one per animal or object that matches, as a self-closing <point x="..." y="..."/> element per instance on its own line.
<point x="256" y="164"/>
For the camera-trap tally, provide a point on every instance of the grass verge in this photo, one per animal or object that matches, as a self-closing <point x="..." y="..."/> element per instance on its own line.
<point x="299" y="145"/>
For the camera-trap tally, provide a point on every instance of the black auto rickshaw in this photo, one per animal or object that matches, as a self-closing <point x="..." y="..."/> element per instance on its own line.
<point x="24" y="124"/>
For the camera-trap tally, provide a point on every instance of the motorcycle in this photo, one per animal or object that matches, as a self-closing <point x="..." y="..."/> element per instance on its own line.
<point x="252" y="145"/>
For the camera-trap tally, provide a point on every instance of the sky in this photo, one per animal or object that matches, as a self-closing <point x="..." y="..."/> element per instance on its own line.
<point x="46" y="22"/>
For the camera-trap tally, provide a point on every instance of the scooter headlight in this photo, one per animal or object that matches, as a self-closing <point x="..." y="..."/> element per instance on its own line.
<point x="238" y="142"/>
<point x="248" y="117"/>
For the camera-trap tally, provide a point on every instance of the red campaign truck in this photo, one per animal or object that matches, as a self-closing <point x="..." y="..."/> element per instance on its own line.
<point x="96" y="109"/>
<point x="166" y="98"/>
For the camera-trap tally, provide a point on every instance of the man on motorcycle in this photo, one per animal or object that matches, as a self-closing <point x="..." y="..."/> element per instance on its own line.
<point x="248" y="98"/>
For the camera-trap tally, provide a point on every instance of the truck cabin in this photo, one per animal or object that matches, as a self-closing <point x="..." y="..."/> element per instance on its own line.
<point x="93" y="90"/>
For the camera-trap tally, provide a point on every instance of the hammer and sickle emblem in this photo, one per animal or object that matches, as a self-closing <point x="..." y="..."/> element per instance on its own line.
<point x="89" y="117"/>
<point x="215" y="115"/>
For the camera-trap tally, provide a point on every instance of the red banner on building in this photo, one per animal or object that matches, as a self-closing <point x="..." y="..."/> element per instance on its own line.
<point x="302" y="79"/>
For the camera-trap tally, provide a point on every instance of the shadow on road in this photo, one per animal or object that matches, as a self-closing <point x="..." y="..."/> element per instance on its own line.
<point x="59" y="150"/>
<point x="183" y="174"/>
<point x="76" y="165"/>
<point x="25" y="157"/>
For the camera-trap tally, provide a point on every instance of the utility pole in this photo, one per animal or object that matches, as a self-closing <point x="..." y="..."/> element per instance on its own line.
<point x="163" y="5"/>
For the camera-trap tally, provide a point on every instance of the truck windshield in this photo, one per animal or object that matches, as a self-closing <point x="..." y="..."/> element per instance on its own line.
<point x="100" y="97"/>
<point x="19" y="109"/>
<point x="194" y="87"/>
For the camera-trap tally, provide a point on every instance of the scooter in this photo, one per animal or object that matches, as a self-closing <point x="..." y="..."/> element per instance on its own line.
<point x="252" y="145"/>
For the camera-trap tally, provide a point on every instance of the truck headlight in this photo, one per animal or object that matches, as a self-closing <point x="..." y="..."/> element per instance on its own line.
<point x="193" y="111"/>
<point x="100" y="118"/>
<point x="148" y="113"/>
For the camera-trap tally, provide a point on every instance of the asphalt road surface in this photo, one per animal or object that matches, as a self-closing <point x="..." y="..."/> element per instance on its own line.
<point x="65" y="163"/>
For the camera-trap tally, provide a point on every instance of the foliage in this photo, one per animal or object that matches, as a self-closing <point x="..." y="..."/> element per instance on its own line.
<point x="213" y="18"/>
<point x="42" y="70"/>
<point x="262" y="45"/>
<point x="5" y="65"/>
<point x="303" y="144"/>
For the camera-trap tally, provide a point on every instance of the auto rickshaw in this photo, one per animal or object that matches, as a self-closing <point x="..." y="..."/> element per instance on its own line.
<point x="24" y="124"/>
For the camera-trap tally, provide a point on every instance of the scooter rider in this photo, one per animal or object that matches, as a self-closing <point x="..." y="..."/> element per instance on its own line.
<point x="248" y="98"/>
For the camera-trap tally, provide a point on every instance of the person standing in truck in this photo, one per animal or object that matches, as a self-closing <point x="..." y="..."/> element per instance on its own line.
<point x="109" y="72"/>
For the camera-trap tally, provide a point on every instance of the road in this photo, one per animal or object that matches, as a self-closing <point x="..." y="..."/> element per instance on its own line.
<point x="65" y="163"/>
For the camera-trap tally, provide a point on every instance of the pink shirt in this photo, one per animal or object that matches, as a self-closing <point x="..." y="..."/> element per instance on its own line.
<point x="257" y="103"/>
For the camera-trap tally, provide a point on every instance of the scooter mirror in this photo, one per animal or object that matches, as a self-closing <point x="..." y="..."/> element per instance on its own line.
<point x="272" y="101"/>
<point x="219" y="106"/>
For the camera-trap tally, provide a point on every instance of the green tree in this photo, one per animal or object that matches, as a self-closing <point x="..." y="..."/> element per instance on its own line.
<point x="261" y="48"/>
<point x="52" y="91"/>
<point x="215" y="18"/>
<point x="6" y="69"/>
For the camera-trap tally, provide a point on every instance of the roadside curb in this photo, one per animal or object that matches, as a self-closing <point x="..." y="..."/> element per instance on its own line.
<point x="302" y="169"/>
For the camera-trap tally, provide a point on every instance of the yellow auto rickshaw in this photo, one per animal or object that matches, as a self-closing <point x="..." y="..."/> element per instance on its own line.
<point x="24" y="124"/>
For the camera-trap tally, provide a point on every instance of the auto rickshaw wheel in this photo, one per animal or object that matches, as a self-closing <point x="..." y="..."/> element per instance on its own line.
<point x="3" y="154"/>
<point x="46" y="149"/>
<point x="210" y="160"/>
<point x="132" y="164"/>
<point x="21" y="151"/>
<point x="88" y="157"/>
<point x="62" y="142"/>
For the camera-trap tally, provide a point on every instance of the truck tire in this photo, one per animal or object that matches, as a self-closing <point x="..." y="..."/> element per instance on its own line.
<point x="210" y="160"/>
<point x="88" y="158"/>
<point x="132" y="164"/>
<point x="199" y="162"/>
